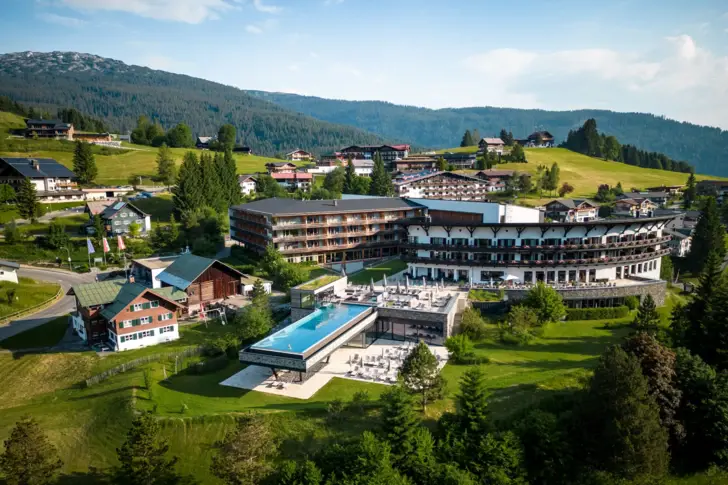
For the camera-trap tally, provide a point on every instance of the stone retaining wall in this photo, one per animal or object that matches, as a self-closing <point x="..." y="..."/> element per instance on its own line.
<point x="657" y="289"/>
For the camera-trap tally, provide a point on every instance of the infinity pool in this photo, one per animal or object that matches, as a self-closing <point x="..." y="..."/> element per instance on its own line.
<point x="311" y="329"/>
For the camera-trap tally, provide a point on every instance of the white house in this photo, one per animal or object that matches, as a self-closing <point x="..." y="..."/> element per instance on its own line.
<point x="247" y="184"/>
<point x="680" y="243"/>
<point x="53" y="182"/>
<point x="299" y="155"/>
<point x="248" y="282"/>
<point x="9" y="271"/>
<point x="363" y="167"/>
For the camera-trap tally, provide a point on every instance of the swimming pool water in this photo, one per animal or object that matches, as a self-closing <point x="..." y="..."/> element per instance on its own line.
<point x="311" y="329"/>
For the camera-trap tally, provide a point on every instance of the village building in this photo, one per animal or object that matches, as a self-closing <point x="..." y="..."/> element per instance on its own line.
<point x="117" y="217"/>
<point x="538" y="139"/>
<point x="299" y="155"/>
<point x="247" y="184"/>
<point x="572" y="210"/>
<point x="93" y="138"/>
<point x="635" y="207"/>
<point x="681" y="242"/>
<point x="293" y="180"/>
<point x="495" y="145"/>
<point x="280" y="167"/>
<point x="388" y="153"/>
<point x="660" y="198"/>
<point x="415" y="163"/>
<point x="104" y="193"/>
<point x="673" y="190"/>
<point x="203" y="142"/>
<point x="461" y="161"/>
<point x="55" y="129"/>
<point x="53" y="182"/>
<point x="716" y="188"/>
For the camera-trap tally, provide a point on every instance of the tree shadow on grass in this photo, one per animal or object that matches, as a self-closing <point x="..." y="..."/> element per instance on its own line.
<point x="510" y="401"/>
<point x="564" y="345"/>
<point x="102" y="394"/>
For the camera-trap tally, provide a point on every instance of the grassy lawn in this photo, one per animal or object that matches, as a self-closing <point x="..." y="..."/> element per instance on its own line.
<point x="118" y="168"/>
<point x="73" y="224"/>
<point x="484" y="295"/>
<point x="585" y="174"/>
<point x="378" y="272"/>
<point x="318" y="282"/>
<point x="46" y="335"/>
<point x="28" y="293"/>
<point x="10" y="120"/>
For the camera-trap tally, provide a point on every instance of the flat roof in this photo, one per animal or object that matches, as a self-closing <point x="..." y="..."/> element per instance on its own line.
<point x="278" y="207"/>
<point x="156" y="263"/>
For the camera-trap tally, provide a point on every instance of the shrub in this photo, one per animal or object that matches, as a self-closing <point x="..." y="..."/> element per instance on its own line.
<point x="546" y="302"/>
<point x="519" y="325"/>
<point x="473" y="325"/>
<point x="359" y="401"/>
<point x="335" y="409"/>
<point x="460" y="347"/>
<point x="631" y="302"/>
<point x="596" y="313"/>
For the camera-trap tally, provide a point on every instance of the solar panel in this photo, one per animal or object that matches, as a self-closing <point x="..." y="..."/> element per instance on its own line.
<point x="118" y="205"/>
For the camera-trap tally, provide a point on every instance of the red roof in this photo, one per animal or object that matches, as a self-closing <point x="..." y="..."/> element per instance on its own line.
<point x="291" y="176"/>
<point x="401" y="147"/>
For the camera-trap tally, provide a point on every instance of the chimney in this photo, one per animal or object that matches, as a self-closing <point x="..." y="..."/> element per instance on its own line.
<point x="34" y="163"/>
<point x="335" y="203"/>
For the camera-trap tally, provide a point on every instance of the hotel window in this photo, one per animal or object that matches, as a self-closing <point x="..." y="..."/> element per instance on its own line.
<point x="164" y="316"/>
<point x="166" y="329"/>
<point x="145" y="320"/>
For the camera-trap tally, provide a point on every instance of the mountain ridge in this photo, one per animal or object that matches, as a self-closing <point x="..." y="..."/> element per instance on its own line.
<point x="118" y="93"/>
<point x="702" y="146"/>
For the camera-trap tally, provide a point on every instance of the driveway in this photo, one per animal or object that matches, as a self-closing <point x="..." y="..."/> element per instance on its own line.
<point x="63" y="306"/>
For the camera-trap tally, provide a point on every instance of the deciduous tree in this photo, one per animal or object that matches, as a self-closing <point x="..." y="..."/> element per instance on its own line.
<point x="226" y="136"/>
<point x="566" y="188"/>
<point x="335" y="180"/>
<point x="7" y="193"/>
<point x="180" y="137"/>
<point x="546" y="302"/>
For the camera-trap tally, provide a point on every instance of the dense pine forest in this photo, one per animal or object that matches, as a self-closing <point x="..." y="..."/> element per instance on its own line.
<point x="703" y="147"/>
<point x="117" y="94"/>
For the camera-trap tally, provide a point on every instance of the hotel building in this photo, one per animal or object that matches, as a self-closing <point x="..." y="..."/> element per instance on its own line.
<point x="482" y="243"/>
<point x="324" y="231"/>
<point x="443" y="185"/>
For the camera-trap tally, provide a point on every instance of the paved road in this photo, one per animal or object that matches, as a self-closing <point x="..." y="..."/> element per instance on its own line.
<point x="65" y="305"/>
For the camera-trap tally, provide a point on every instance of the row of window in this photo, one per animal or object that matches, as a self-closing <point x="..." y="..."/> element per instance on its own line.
<point x="127" y="222"/>
<point x="136" y="336"/>
<point x="143" y="306"/>
<point x="166" y="329"/>
<point x="145" y="320"/>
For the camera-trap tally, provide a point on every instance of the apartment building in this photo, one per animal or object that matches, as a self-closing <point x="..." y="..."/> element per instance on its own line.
<point x="323" y="231"/>
<point x="572" y="210"/>
<point x="442" y="185"/>
<point x="389" y="153"/>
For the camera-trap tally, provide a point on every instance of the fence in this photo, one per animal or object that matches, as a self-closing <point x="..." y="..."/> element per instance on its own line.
<point x="133" y="364"/>
<point x="34" y="308"/>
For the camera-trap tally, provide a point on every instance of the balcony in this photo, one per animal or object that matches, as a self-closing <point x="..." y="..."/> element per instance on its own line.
<point x="338" y="247"/>
<point x="332" y="235"/>
<point x="335" y="223"/>
<point x="539" y="248"/>
<point x="636" y="258"/>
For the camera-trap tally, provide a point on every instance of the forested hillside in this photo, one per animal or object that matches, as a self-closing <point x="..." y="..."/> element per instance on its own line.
<point x="705" y="148"/>
<point x="117" y="94"/>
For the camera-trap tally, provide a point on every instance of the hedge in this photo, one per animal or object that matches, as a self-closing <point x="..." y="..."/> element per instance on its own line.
<point x="597" y="313"/>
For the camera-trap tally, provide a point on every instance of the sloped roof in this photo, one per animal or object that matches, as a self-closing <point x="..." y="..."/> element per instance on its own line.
<point x="298" y="150"/>
<point x="496" y="173"/>
<point x="9" y="264"/>
<point x="205" y="139"/>
<point x="291" y="176"/>
<point x="276" y="206"/>
<point x="186" y="269"/>
<point x="97" y="207"/>
<point x="573" y="203"/>
<point x="55" y="123"/>
<point x="444" y="174"/>
<point x="245" y="177"/>
<point x="47" y="167"/>
<point x="101" y="293"/>
<point x="112" y="209"/>
<point x="130" y="292"/>
<point x="492" y="141"/>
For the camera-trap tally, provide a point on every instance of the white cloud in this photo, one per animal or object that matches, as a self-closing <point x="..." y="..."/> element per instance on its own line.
<point x="680" y="80"/>
<point x="188" y="11"/>
<point x="253" y="29"/>
<point x="61" y="20"/>
<point x="313" y="54"/>
<point x="261" y="7"/>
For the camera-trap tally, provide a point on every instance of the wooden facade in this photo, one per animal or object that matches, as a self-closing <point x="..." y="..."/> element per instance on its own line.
<point x="164" y="307"/>
<point x="215" y="283"/>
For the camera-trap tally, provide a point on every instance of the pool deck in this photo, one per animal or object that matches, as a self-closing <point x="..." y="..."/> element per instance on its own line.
<point x="261" y="379"/>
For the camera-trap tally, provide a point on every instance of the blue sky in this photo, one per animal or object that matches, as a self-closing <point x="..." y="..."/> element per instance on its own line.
<point x="666" y="57"/>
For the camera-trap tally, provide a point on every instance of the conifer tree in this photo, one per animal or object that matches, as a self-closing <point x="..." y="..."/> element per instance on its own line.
<point x="471" y="404"/>
<point x="173" y="233"/>
<point x="84" y="163"/>
<point x="188" y="194"/>
<point x="647" y="318"/>
<point x="211" y="184"/>
<point x="166" y="169"/>
<point x="421" y="375"/>
<point x="708" y="237"/>
<point x="143" y="455"/>
<point x="618" y="422"/>
<point x="476" y="137"/>
<point x="349" y="178"/>
<point x="29" y="458"/>
<point x="381" y="183"/>
<point x="242" y="456"/>
<point x="228" y="178"/>
<point x="28" y="206"/>
<point x="399" y="421"/>
<point x="467" y="140"/>
<point x="503" y="135"/>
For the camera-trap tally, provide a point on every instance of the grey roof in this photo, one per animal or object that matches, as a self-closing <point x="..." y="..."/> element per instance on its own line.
<point x="444" y="174"/>
<point x="47" y="167"/>
<point x="278" y="207"/>
<point x="573" y="203"/>
<point x="186" y="269"/>
<point x="55" y="123"/>
<point x="677" y="234"/>
<point x="644" y="195"/>
<point x="9" y="264"/>
<point x="115" y="207"/>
